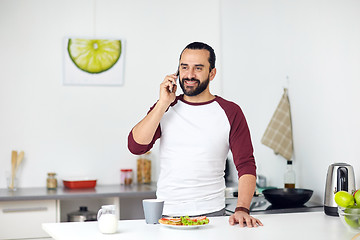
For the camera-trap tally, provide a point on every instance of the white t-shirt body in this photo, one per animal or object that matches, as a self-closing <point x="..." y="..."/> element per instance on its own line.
<point x="193" y="149"/>
<point x="195" y="140"/>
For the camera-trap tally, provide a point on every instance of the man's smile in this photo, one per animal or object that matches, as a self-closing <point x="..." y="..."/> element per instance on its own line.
<point x="191" y="83"/>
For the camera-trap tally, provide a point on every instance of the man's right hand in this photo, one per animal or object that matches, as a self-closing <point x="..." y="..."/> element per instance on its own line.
<point x="168" y="90"/>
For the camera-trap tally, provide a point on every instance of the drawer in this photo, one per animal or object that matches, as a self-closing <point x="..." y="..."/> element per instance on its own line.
<point x="23" y="219"/>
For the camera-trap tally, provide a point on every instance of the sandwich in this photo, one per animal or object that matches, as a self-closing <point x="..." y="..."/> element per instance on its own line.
<point x="185" y="221"/>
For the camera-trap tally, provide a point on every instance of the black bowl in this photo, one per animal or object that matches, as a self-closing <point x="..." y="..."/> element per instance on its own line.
<point x="287" y="197"/>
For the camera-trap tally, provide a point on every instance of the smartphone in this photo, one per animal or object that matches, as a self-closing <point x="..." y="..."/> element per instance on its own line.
<point x="177" y="74"/>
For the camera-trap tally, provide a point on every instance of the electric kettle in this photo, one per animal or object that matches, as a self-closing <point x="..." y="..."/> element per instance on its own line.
<point x="340" y="177"/>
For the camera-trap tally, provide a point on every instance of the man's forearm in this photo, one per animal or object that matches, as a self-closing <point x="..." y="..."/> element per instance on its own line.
<point x="144" y="131"/>
<point x="246" y="189"/>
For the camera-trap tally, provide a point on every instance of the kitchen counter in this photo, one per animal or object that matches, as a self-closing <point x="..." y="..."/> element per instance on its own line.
<point x="100" y="191"/>
<point x="310" y="225"/>
<point x="259" y="205"/>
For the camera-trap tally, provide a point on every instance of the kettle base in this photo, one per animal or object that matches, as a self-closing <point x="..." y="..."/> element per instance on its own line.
<point x="331" y="211"/>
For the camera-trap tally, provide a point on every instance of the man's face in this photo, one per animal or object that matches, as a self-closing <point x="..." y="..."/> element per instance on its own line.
<point x="194" y="72"/>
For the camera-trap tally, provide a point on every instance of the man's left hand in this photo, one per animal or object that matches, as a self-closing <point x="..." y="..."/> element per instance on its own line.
<point x="244" y="219"/>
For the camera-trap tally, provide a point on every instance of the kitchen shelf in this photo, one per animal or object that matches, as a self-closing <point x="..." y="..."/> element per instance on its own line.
<point x="100" y="191"/>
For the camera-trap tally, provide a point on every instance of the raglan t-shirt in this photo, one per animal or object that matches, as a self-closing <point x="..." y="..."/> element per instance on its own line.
<point x="195" y="139"/>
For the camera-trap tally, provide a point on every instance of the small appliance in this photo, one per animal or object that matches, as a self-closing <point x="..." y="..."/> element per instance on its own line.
<point x="340" y="177"/>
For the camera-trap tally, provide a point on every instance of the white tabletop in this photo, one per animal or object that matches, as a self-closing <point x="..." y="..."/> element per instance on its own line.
<point x="310" y="225"/>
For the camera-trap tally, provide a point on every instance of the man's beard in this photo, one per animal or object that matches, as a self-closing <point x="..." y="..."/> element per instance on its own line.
<point x="194" y="91"/>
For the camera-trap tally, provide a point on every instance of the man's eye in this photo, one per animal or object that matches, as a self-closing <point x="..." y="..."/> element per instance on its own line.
<point x="199" y="68"/>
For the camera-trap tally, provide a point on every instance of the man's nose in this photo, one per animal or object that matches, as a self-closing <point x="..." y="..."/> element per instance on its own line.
<point x="191" y="73"/>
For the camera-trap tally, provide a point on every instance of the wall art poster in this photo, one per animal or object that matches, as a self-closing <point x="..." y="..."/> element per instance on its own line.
<point x="89" y="61"/>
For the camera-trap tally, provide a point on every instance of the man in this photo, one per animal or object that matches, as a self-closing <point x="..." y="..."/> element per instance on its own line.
<point x="196" y="130"/>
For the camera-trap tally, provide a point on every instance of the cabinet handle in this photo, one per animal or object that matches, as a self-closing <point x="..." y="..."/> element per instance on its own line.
<point x="29" y="209"/>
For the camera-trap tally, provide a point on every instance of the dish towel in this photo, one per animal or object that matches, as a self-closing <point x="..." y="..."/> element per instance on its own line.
<point x="278" y="134"/>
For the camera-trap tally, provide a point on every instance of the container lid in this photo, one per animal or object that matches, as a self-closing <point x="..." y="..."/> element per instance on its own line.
<point x="83" y="211"/>
<point x="126" y="170"/>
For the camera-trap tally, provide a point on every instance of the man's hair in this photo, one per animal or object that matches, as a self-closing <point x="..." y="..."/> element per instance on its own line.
<point x="200" y="46"/>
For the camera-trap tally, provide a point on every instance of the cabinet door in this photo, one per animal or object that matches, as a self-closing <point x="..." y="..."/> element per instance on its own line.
<point x="23" y="219"/>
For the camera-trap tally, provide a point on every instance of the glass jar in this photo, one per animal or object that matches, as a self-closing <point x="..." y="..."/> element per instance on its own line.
<point x="51" y="181"/>
<point x="144" y="168"/>
<point x="126" y="176"/>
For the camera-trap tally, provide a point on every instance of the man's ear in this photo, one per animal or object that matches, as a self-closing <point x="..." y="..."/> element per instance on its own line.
<point x="212" y="74"/>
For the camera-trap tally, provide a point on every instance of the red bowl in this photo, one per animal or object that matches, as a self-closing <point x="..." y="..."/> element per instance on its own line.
<point x="76" y="184"/>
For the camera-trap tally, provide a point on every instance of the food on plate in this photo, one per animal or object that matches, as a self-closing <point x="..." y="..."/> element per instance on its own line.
<point x="344" y="199"/>
<point x="185" y="221"/>
<point x="194" y="220"/>
<point x="170" y="221"/>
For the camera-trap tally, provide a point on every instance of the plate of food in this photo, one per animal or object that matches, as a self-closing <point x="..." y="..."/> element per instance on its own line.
<point x="184" y="222"/>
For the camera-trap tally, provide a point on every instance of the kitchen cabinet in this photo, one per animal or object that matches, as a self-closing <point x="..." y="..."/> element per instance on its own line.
<point x="23" y="219"/>
<point x="22" y="212"/>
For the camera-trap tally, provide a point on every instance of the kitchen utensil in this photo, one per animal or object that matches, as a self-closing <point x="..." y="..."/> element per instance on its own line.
<point x="83" y="215"/>
<point x="79" y="183"/>
<point x="107" y="220"/>
<point x="340" y="177"/>
<point x="19" y="159"/>
<point x="13" y="168"/>
<point x="287" y="197"/>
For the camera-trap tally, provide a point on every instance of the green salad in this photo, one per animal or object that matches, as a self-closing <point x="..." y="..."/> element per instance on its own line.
<point x="194" y="220"/>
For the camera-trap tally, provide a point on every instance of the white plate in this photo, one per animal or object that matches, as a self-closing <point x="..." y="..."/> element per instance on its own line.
<point x="183" y="226"/>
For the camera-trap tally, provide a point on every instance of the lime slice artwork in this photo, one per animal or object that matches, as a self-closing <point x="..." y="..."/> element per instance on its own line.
<point x="94" y="55"/>
<point x="93" y="61"/>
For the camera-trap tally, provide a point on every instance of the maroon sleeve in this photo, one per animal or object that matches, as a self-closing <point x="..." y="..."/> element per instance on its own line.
<point x="136" y="148"/>
<point x="239" y="139"/>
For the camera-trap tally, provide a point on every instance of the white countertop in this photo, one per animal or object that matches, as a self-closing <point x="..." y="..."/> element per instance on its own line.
<point x="309" y="225"/>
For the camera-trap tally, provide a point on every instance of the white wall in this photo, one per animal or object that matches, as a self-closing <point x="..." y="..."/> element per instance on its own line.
<point x="83" y="130"/>
<point x="316" y="45"/>
<point x="75" y="130"/>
